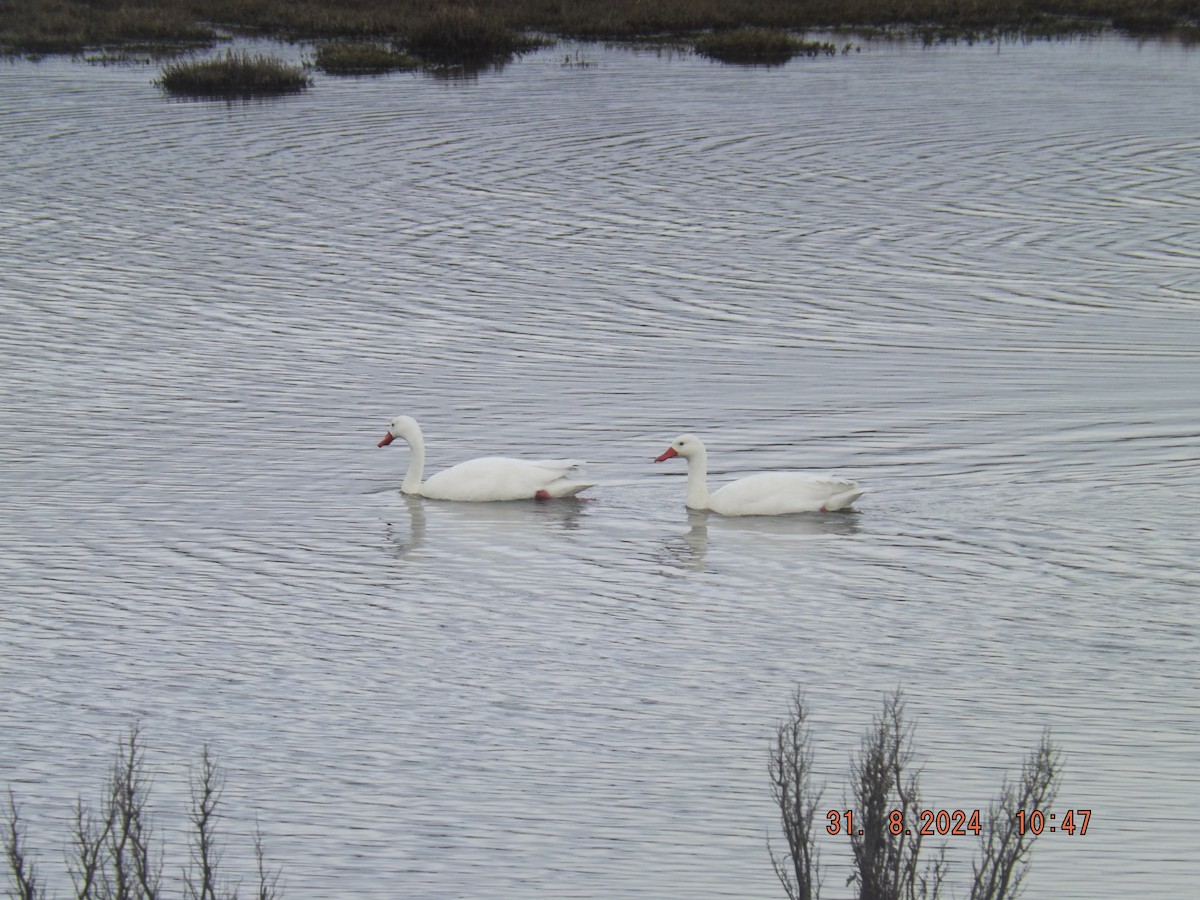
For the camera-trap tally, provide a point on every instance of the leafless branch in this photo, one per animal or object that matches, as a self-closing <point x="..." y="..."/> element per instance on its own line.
<point x="268" y="881"/>
<point x="206" y="794"/>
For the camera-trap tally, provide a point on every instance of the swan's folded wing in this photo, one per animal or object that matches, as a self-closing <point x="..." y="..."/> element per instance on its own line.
<point x="501" y="478"/>
<point x="567" y="468"/>
<point x="777" y="493"/>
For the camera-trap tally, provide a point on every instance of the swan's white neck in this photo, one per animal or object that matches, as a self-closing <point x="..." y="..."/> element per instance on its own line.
<point x="697" y="483"/>
<point x="416" y="463"/>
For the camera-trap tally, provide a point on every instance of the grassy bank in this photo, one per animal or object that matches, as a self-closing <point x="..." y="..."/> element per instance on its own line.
<point x="72" y="26"/>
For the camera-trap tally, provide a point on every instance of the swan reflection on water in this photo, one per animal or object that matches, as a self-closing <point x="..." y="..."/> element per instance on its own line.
<point x="513" y="522"/>
<point x="474" y="529"/>
<point x="689" y="549"/>
<point x="415" y="538"/>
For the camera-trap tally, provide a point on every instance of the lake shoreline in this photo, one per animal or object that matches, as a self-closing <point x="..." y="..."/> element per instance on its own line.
<point x="31" y="28"/>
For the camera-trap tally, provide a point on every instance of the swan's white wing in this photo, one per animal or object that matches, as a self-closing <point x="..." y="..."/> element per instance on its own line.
<point x="502" y="478"/>
<point x="778" y="493"/>
<point x="564" y="467"/>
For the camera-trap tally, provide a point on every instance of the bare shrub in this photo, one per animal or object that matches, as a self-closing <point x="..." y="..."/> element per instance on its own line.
<point x="791" y="773"/>
<point x="1005" y="846"/>
<point x="20" y="866"/>
<point x="113" y="854"/>
<point x="887" y="860"/>
<point x="886" y="845"/>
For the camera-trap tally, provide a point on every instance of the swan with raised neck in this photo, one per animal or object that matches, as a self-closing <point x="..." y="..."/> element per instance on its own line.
<point x="486" y="478"/>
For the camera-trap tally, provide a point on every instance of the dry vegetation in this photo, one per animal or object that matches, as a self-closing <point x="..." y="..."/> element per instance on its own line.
<point x="361" y="58"/>
<point x="365" y="36"/>
<point x="72" y="26"/>
<point x="761" y="46"/>
<point x="234" y="75"/>
<point x="113" y="850"/>
<point x="891" y="860"/>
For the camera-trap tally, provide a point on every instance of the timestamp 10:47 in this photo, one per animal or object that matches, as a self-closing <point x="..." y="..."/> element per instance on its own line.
<point x="1035" y="822"/>
<point x="944" y="821"/>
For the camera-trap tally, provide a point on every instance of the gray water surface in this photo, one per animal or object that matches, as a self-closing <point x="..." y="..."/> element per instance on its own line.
<point x="967" y="277"/>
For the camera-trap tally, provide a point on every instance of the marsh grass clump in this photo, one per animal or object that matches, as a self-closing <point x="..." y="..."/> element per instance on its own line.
<point x="762" y="46"/>
<point x="361" y="58"/>
<point x="234" y="75"/>
<point x="451" y="35"/>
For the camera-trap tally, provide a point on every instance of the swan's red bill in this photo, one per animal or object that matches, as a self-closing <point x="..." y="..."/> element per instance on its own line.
<point x="387" y="439"/>
<point x="670" y="453"/>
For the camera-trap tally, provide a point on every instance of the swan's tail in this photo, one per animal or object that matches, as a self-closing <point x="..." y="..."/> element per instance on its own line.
<point x="564" y="488"/>
<point x="845" y="498"/>
<point x="563" y="485"/>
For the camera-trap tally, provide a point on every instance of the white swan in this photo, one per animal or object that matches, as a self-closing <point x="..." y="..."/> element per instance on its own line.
<point x="771" y="494"/>
<point x="486" y="478"/>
